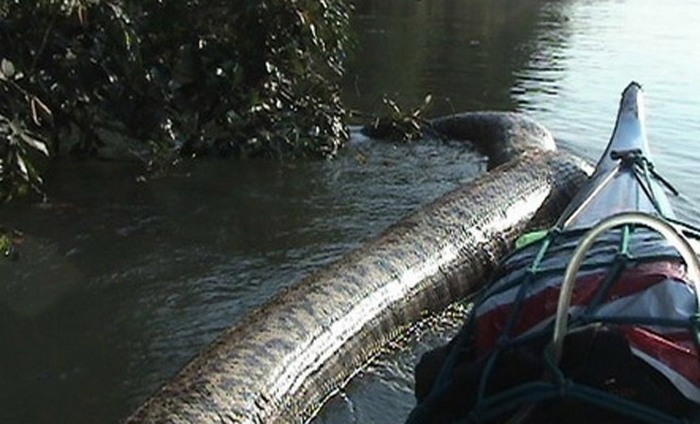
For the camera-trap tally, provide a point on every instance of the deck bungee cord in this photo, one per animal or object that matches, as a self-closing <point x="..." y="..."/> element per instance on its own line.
<point x="623" y="257"/>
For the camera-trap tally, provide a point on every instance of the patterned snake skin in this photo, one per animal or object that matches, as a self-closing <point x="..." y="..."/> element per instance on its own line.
<point x="280" y="363"/>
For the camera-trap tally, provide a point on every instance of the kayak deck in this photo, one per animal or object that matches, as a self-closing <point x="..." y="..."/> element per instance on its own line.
<point x="618" y="342"/>
<point x="624" y="179"/>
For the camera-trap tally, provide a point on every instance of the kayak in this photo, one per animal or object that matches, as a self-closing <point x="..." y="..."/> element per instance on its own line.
<point x="592" y="320"/>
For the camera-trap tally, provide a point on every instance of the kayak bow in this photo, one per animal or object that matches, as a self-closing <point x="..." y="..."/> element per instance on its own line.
<point x="594" y="320"/>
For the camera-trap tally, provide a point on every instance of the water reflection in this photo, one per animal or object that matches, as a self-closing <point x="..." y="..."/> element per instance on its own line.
<point x="466" y="53"/>
<point x="597" y="48"/>
<point x="565" y="63"/>
<point x="117" y="288"/>
<point x="541" y="75"/>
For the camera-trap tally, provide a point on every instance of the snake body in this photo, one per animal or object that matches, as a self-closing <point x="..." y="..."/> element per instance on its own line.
<point x="280" y="363"/>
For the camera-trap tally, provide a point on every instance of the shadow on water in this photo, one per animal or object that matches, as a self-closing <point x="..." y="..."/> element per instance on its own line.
<point x="563" y="63"/>
<point x="468" y="54"/>
<point x="121" y="282"/>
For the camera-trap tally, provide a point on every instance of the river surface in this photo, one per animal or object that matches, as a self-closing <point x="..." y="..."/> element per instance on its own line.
<point x="120" y="282"/>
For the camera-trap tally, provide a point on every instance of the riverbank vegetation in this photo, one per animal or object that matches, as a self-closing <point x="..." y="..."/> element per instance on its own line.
<point x="166" y="80"/>
<point x="397" y="123"/>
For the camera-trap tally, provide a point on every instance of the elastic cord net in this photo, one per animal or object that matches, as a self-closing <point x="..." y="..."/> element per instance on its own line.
<point x="555" y="385"/>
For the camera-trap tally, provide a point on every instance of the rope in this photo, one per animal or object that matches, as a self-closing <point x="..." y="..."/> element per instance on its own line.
<point x="556" y="385"/>
<point x="626" y="218"/>
<point x="644" y="171"/>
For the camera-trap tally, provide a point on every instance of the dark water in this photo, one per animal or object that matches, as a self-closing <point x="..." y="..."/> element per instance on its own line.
<point x="121" y="282"/>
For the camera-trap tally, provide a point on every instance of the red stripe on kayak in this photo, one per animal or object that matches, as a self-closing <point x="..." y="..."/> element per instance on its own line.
<point x="678" y="353"/>
<point x="542" y="305"/>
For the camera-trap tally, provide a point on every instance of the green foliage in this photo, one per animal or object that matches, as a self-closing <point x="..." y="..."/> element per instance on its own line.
<point x="18" y="175"/>
<point x="251" y="78"/>
<point x="5" y="244"/>
<point x="8" y="239"/>
<point x="396" y="124"/>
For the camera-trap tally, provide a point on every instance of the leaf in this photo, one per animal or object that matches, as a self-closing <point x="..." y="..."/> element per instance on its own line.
<point x="7" y="68"/>
<point x="5" y="244"/>
<point x="35" y="143"/>
<point x="22" y="167"/>
<point x="39" y="106"/>
<point x="83" y="15"/>
<point x="392" y="105"/>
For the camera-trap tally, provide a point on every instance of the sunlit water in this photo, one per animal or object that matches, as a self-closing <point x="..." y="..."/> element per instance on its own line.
<point x="591" y="50"/>
<point x="119" y="283"/>
<point x="581" y="54"/>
